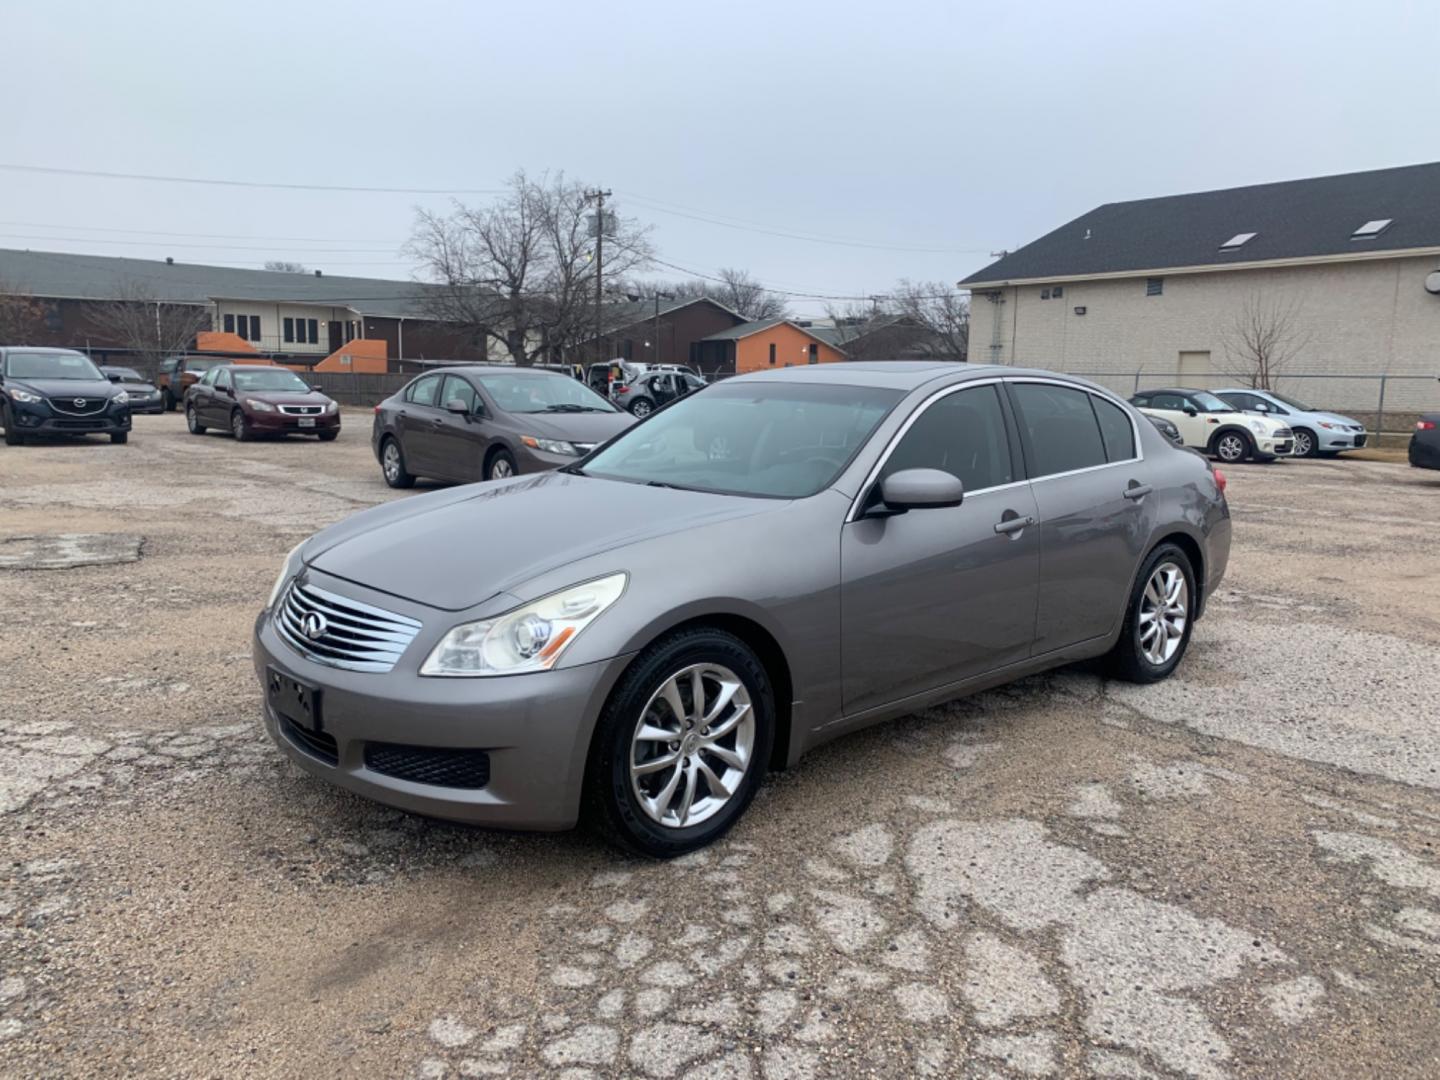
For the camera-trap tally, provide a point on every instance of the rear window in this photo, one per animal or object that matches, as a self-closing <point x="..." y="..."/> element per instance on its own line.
<point x="1115" y="429"/>
<point x="1063" y="432"/>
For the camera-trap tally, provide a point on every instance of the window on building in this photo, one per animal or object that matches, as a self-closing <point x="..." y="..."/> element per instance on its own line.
<point x="229" y="324"/>
<point x="1371" y="228"/>
<point x="1057" y="292"/>
<point x="1154" y="286"/>
<point x="289" y="329"/>
<point x="963" y="434"/>
<point x="254" y="327"/>
<point x="772" y="354"/>
<point x="814" y="355"/>
<point x="1239" y="240"/>
<point x="1044" y="294"/>
<point x="1061" y="426"/>
<point x="312" y="327"/>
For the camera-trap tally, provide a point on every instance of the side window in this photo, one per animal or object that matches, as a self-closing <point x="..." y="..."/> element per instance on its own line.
<point x="422" y="391"/>
<point x="964" y="434"/>
<point x="456" y="387"/>
<point x="208" y="379"/>
<point x="221" y="381"/>
<point x="1064" y="434"/>
<point x="1167" y="401"/>
<point x="1115" y="429"/>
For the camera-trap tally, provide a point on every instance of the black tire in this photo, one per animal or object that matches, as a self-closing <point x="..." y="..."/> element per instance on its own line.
<point x="239" y="428"/>
<point x="1232" y="447"/>
<point x="167" y="400"/>
<point x="613" y="807"/>
<point x="500" y="465"/>
<point x="192" y="421"/>
<point x="12" y="433"/>
<point x="328" y="436"/>
<point x="119" y="438"/>
<point x="1128" y="659"/>
<point x="642" y="408"/>
<point x="396" y="475"/>
<point x="1304" y="437"/>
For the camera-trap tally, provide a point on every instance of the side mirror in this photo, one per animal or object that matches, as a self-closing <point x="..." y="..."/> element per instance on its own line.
<point x="113" y="378"/>
<point x="1190" y="410"/>
<point x="920" y="489"/>
<point x="455" y="405"/>
<point x="1260" y="406"/>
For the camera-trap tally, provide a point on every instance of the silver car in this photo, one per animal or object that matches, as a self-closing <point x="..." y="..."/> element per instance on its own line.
<point x="1317" y="433"/>
<point x="638" y="637"/>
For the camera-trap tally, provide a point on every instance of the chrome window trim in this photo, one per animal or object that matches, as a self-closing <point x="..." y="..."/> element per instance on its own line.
<point x="968" y="384"/>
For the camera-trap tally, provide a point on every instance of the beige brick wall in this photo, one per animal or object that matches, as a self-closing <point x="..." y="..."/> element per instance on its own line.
<point x="1368" y="317"/>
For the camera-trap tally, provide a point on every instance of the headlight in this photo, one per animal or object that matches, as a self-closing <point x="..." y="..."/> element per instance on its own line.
<point x="259" y="406"/>
<point x="331" y="406"/>
<point x="1328" y="426"/>
<point x="1258" y="426"/>
<point x="530" y="638"/>
<point x="24" y="395"/>
<point x="285" y="575"/>
<point x="550" y="446"/>
<point x="121" y="398"/>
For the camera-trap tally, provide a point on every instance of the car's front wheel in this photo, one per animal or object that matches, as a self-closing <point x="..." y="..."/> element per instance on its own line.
<point x="683" y="744"/>
<point x="1306" y="445"/>
<point x="1231" y="446"/>
<point x="1158" y="619"/>
<point x="192" y="421"/>
<point x="500" y="466"/>
<point x="238" y="427"/>
<point x="642" y="408"/>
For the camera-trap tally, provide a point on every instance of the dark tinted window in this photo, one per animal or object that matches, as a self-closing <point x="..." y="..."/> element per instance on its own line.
<point x="422" y="391"/>
<point x="229" y="324"/>
<point x="1115" y="429"/>
<point x="313" y="326"/>
<point x="962" y="434"/>
<point x="1167" y="401"/>
<point x="254" y="327"/>
<point x="1064" y="434"/>
<point x="289" y="329"/>
<point x="457" y="388"/>
<point x="222" y="379"/>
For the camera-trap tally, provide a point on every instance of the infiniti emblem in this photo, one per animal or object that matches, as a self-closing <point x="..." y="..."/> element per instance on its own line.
<point x="314" y="625"/>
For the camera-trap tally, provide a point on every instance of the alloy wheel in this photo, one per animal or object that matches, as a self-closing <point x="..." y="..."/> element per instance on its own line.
<point x="1304" y="444"/>
<point x="237" y="426"/>
<point x="390" y="462"/>
<point x="1230" y="448"/>
<point x="501" y="469"/>
<point x="1164" y="608"/>
<point x="692" y="746"/>
<point x="641" y="409"/>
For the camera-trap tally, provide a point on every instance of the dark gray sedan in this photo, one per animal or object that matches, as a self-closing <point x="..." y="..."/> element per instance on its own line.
<point x="489" y="422"/>
<point x="765" y="565"/>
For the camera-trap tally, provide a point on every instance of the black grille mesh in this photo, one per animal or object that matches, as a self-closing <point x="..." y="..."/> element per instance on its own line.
<point x="318" y="744"/>
<point x="429" y="765"/>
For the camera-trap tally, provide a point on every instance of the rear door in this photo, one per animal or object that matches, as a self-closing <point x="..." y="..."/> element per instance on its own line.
<point x="1091" y="489"/>
<point x="933" y="597"/>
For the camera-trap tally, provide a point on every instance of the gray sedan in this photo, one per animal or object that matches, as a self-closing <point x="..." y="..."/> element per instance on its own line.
<point x="638" y="637"/>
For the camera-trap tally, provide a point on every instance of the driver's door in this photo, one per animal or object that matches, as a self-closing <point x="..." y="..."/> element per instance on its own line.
<point x="1184" y="414"/>
<point x="459" y="438"/>
<point x="932" y="597"/>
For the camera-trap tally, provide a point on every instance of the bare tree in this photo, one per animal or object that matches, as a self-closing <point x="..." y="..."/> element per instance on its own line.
<point x="153" y="328"/>
<point x="942" y="310"/>
<point x="736" y="289"/>
<point x="19" y="315"/>
<point x="1263" y="339"/>
<point x="519" y="273"/>
<point x="284" y="266"/>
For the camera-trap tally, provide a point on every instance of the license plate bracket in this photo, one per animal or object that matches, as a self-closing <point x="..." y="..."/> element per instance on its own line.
<point x="294" y="698"/>
<point x="307" y="421"/>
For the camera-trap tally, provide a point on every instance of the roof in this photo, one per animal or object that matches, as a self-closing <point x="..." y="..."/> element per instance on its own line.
<point x="104" y="277"/>
<point x="895" y="374"/>
<point x="1294" y="219"/>
<point x="839" y="335"/>
<point x="744" y="330"/>
<point x="631" y="312"/>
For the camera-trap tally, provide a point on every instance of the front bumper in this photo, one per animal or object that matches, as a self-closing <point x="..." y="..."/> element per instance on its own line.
<point x="38" y="419"/>
<point x="1340" y="440"/>
<point x="276" y="423"/>
<point x="536" y="729"/>
<point x="147" y="405"/>
<point x="1274" y="447"/>
<point x="528" y="460"/>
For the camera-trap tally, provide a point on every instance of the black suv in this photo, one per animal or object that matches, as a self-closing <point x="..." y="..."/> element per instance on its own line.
<point x="52" y="392"/>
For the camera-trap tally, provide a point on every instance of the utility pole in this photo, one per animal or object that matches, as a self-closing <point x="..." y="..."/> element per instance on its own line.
<point x="658" y="295"/>
<point x="598" y="196"/>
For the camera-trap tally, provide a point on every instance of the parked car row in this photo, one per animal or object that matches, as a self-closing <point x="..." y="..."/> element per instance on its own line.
<point x="1257" y="425"/>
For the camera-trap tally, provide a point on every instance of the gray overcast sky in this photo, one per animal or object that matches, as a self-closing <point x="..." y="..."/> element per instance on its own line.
<point x="950" y="129"/>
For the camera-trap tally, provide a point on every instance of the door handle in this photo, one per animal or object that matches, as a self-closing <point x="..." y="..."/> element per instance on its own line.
<point x="1013" y="525"/>
<point x="1138" y="491"/>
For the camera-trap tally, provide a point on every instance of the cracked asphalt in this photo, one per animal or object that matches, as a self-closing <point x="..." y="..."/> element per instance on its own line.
<point x="1235" y="873"/>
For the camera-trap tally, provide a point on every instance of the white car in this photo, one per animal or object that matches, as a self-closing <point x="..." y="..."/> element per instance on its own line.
<point x="1212" y="425"/>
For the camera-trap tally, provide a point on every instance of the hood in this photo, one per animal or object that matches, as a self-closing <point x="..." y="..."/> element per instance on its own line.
<point x="1335" y="418"/>
<point x="285" y="397"/>
<point x="1268" y="424"/>
<point x="66" y="388"/>
<point x="454" y="549"/>
<point x="573" y="427"/>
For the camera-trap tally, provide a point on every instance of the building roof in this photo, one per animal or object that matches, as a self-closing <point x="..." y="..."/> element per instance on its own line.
<point x="1294" y="219"/>
<point x="744" y="330"/>
<point x="104" y="277"/>
<point x="631" y="312"/>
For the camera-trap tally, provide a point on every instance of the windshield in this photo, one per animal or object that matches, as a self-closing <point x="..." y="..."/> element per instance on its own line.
<point x="56" y="365"/>
<point x="1299" y="406"/>
<point x="269" y="379"/>
<point x="195" y="364"/>
<point x="540" y="392"/>
<point x="1208" y="402"/>
<point x="125" y="374"/>
<point x="783" y="440"/>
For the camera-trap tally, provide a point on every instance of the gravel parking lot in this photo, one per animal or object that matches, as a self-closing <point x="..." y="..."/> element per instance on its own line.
<point x="1234" y="873"/>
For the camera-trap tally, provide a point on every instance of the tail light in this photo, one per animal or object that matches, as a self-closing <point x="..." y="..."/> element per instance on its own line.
<point x="622" y="389"/>
<point x="1424" y="425"/>
<point x="1220" y="481"/>
<point x="377" y="410"/>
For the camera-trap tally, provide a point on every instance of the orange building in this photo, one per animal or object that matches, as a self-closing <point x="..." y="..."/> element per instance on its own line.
<point x="759" y="346"/>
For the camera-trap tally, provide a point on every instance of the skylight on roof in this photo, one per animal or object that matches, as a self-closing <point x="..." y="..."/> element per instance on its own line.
<point x="1238" y="240"/>
<point x="1371" y="228"/>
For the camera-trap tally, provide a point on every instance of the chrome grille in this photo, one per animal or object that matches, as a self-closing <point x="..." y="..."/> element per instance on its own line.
<point x="352" y="635"/>
<point x="302" y="410"/>
<point x="78" y="406"/>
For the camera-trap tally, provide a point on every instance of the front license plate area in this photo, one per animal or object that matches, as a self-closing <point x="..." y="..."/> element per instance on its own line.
<point x="306" y="421"/>
<point x="294" y="699"/>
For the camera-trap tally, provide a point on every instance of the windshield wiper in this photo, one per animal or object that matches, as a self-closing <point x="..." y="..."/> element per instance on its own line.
<point x="567" y="406"/>
<point x="663" y="484"/>
<point x="572" y="470"/>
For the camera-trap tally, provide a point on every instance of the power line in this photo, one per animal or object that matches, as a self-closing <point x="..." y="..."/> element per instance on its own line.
<point x="211" y="181"/>
<point x="193" y="235"/>
<point x="209" y="247"/>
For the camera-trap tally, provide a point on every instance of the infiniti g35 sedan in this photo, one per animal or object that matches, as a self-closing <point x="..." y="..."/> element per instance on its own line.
<point x="638" y="637"/>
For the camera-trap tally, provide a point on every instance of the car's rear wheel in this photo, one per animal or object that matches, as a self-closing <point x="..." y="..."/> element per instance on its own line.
<point x="682" y="745"/>
<point x="192" y="421"/>
<point x="392" y="465"/>
<point x="1232" y="446"/>
<point x="500" y="465"/>
<point x="1158" y="619"/>
<point x="328" y="436"/>
<point x="1306" y="445"/>
<point x="642" y="408"/>
<point x="238" y="427"/>
<point x="167" y="400"/>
